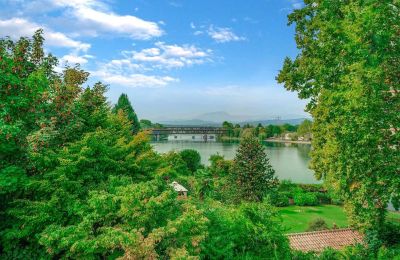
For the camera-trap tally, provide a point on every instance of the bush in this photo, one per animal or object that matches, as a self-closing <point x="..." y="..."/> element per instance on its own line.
<point x="317" y="224"/>
<point x="305" y="199"/>
<point x="192" y="159"/>
<point x="280" y="199"/>
<point x="323" y="198"/>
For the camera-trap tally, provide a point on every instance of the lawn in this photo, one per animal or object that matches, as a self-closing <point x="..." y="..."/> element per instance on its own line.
<point x="296" y="218"/>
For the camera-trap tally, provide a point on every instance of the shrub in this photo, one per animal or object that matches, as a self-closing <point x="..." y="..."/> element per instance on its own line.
<point x="192" y="159"/>
<point x="317" y="224"/>
<point x="305" y="199"/>
<point x="280" y="199"/>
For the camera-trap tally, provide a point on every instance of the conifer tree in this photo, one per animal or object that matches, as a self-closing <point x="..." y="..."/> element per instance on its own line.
<point x="253" y="174"/>
<point x="124" y="104"/>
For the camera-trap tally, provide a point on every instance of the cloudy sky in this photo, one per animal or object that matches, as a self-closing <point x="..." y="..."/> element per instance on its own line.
<point x="176" y="59"/>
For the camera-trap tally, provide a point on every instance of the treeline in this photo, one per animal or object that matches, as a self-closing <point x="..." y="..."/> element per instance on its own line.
<point x="284" y="131"/>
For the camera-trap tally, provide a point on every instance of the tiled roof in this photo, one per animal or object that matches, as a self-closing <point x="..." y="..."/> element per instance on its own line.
<point x="178" y="187"/>
<point x="319" y="240"/>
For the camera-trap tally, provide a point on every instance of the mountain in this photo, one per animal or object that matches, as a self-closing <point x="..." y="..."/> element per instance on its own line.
<point x="221" y="116"/>
<point x="216" y="119"/>
<point x="198" y="122"/>
<point x="190" y="122"/>
<point x="294" y="121"/>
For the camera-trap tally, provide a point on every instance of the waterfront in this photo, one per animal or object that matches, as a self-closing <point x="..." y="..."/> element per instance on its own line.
<point x="290" y="161"/>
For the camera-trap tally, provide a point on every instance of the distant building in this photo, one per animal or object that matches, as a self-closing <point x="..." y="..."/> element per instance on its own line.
<point x="182" y="191"/>
<point x="317" y="241"/>
<point x="192" y="137"/>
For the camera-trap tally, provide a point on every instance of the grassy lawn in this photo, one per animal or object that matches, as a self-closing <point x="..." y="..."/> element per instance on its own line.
<point x="296" y="218"/>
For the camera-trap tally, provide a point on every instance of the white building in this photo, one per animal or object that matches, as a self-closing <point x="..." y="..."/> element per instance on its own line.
<point x="192" y="137"/>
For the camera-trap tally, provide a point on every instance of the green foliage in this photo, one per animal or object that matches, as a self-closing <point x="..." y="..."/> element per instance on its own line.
<point x="305" y="129"/>
<point x="192" y="159"/>
<point x="125" y="105"/>
<point x="252" y="173"/>
<point x="317" y="224"/>
<point x="305" y="199"/>
<point x="250" y="231"/>
<point x="348" y="69"/>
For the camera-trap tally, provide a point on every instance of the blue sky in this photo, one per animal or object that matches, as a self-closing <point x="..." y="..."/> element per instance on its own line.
<point x="175" y="59"/>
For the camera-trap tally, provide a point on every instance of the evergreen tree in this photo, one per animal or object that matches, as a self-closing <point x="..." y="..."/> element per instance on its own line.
<point x="124" y="104"/>
<point x="252" y="173"/>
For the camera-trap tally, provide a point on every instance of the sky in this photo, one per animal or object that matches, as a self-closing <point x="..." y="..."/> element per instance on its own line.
<point x="176" y="59"/>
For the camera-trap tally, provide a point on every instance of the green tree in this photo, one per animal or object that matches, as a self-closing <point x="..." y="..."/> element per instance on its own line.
<point x="348" y="68"/>
<point x="305" y="128"/>
<point x="248" y="231"/>
<point x="192" y="159"/>
<point x="252" y="173"/>
<point x="124" y="104"/>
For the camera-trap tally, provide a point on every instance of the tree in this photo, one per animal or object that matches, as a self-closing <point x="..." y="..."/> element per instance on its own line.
<point x="192" y="159"/>
<point x="252" y="173"/>
<point x="305" y="128"/>
<point x="124" y="104"/>
<point x="348" y="68"/>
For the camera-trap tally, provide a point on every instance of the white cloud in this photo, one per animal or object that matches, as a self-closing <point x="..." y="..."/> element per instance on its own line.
<point x="165" y="56"/>
<point x="132" y="70"/>
<point x="75" y="58"/>
<point x="95" y="15"/>
<point x="17" y="27"/>
<point x="221" y="35"/>
<point x="134" y="79"/>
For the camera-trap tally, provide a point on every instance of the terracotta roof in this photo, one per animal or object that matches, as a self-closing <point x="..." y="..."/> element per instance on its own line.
<point x="319" y="240"/>
<point x="177" y="186"/>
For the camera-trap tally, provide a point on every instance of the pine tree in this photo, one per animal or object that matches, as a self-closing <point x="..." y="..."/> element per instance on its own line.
<point x="124" y="104"/>
<point x="253" y="174"/>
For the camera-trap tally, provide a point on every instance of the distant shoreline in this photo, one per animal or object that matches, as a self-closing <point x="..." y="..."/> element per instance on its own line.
<point x="286" y="141"/>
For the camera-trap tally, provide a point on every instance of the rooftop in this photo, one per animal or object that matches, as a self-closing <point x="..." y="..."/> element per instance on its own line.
<point x="177" y="187"/>
<point x="319" y="240"/>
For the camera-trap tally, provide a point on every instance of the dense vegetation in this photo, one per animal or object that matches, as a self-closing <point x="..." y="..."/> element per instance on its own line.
<point x="348" y="67"/>
<point x="77" y="182"/>
<point x="293" y="132"/>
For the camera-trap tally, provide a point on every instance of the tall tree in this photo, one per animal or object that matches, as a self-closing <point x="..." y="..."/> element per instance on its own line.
<point x="252" y="173"/>
<point x="349" y="67"/>
<point x="124" y="104"/>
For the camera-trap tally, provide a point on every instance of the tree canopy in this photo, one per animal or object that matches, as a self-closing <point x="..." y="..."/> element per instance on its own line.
<point x="348" y="67"/>
<point x="125" y="105"/>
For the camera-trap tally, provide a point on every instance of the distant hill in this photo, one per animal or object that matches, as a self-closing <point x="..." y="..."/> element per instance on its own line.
<point x="198" y="122"/>
<point x="191" y="122"/>
<point x="295" y="121"/>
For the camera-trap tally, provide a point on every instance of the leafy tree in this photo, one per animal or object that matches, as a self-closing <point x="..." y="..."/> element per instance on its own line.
<point x="124" y="104"/>
<point x="192" y="159"/>
<point x="252" y="172"/>
<point x="305" y="128"/>
<point x="248" y="231"/>
<point x="348" y="68"/>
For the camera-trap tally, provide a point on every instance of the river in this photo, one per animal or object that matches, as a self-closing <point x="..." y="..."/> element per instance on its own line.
<point x="290" y="161"/>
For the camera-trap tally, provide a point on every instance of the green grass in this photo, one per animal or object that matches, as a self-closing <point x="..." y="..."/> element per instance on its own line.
<point x="296" y="218"/>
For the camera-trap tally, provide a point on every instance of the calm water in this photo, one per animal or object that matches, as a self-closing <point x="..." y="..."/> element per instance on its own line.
<point x="290" y="161"/>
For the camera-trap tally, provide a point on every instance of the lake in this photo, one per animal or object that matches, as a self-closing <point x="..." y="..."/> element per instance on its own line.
<point x="290" y="161"/>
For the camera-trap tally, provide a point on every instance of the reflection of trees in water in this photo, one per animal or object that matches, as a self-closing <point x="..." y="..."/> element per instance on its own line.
<point x="304" y="150"/>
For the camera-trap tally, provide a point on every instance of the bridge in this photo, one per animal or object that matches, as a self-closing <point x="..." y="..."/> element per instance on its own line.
<point x="205" y="132"/>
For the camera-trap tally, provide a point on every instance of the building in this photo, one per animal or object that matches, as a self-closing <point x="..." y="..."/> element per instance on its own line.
<point x="192" y="137"/>
<point x="317" y="241"/>
<point x="182" y="191"/>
